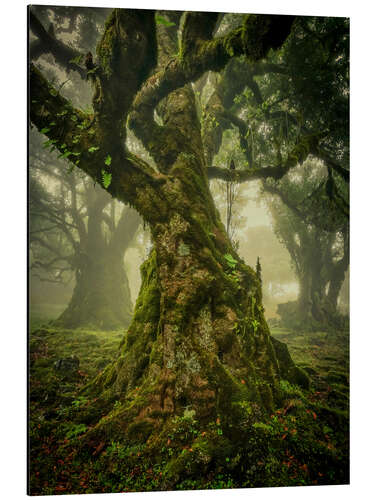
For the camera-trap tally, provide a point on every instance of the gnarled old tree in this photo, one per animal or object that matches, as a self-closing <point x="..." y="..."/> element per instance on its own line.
<point x="198" y="338"/>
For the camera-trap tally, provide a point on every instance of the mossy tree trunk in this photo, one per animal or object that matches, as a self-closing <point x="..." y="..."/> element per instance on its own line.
<point x="198" y="339"/>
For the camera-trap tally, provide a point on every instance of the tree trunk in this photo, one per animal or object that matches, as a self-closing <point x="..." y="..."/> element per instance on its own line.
<point x="337" y="276"/>
<point x="304" y="297"/>
<point x="101" y="297"/>
<point x="198" y="340"/>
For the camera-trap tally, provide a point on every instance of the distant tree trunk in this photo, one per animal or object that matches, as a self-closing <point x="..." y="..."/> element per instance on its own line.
<point x="101" y="297"/>
<point x="320" y="281"/>
<point x="337" y="276"/>
<point x="304" y="296"/>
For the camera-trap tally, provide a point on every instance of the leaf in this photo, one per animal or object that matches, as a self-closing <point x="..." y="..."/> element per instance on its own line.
<point x="93" y="149"/>
<point x="65" y="155"/>
<point x="230" y="260"/>
<point x="45" y="130"/>
<point x="163" y="21"/>
<point x="46" y="144"/>
<point x="77" y="59"/>
<point x="108" y="160"/>
<point x="107" y="179"/>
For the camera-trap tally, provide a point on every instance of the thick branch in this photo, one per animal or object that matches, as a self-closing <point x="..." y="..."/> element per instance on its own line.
<point x="297" y="155"/>
<point x="72" y="135"/>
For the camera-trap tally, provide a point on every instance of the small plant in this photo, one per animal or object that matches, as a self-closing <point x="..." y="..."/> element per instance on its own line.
<point x="80" y="401"/>
<point x="231" y="261"/>
<point x="75" y="430"/>
<point x="255" y="323"/>
<point x="252" y="306"/>
<point x="163" y="21"/>
<point x="106" y="178"/>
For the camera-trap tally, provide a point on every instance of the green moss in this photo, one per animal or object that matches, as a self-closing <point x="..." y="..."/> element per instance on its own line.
<point x="288" y="369"/>
<point x="266" y="394"/>
<point x="147" y="308"/>
<point x="139" y="431"/>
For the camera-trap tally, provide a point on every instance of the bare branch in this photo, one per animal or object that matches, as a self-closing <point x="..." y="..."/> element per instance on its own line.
<point x="47" y="43"/>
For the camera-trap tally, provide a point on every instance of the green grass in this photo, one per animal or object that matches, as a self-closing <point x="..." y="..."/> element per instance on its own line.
<point x="324" y="355"/>
<point x="304" y="441"/>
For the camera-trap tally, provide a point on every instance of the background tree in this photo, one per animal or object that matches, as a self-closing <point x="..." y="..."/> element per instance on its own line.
<point x="72" y="225"/>
<point x="315" y="231"/>
<point x="278" y="278"/>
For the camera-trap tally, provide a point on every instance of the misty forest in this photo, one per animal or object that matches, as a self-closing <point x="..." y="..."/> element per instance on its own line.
<point x="188" y="250"/>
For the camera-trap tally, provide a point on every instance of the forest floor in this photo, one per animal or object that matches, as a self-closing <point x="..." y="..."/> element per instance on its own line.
<point x="304" y="442"/>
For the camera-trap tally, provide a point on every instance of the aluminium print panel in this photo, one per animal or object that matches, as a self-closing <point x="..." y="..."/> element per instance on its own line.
<point x="188" y="250"/>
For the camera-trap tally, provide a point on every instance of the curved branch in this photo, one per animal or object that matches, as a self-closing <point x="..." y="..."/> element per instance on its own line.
<point x="284" y="198"/>
<point x="254" y="38"/>
<point x="297" y="155"/>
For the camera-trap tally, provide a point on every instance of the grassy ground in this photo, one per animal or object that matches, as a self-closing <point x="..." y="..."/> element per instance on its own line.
<point x="304" y="441"/>
<point x="325" y="357"/>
